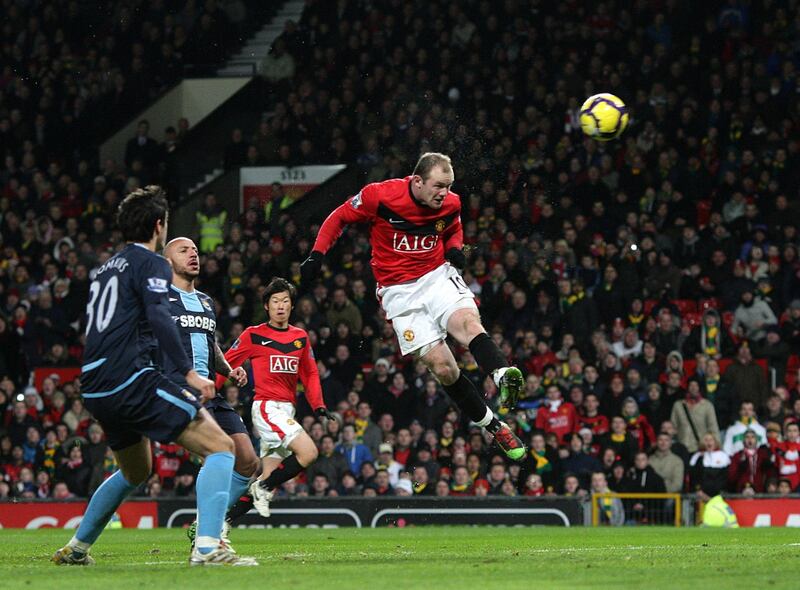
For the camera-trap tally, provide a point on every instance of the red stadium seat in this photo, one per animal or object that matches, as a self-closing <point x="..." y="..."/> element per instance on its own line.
<point x="724" y="364"/>
<point x="703" y="212"/>
<point x="649" y="304"/>
<point x="685" y="306"/>
<point x="727" y="319"/>
<point x="710" y="303"/>
<point x="689" y="367"/>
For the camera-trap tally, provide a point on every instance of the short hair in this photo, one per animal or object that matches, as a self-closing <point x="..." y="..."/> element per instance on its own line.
<point x="430" y="160"/>
<point x="139" y="212"/>
<point x="279" y="285"/>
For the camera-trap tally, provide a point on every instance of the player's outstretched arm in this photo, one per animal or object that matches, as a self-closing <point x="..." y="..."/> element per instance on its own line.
<point x="358" y="209"/>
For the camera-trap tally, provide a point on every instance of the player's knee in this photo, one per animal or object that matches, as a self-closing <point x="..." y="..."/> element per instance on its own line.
<point x="446" y="373"/>
<point x="221" y="443"/>
<point x="472" y="326"/>
<point x="308" y="455"/>
<point x="313" y="454"/>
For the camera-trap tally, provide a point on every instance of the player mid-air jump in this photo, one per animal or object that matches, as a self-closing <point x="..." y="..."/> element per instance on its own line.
<point x="417" y="241"/>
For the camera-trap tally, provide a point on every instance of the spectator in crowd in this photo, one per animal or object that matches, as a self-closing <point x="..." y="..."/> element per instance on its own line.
<point x="709" y="338"/>
<point x="556" y="415"/>
<point x="752" y="317"/>
<point x="786" y="456"/>
<point x="643" y="479"/>
<point x="579" y="463"/>
<point x="709" y="468"/>
<point x="747" y="379"/>
<point x="750" y="467"/>
<point x="667" y="464"/>
<point x="353" y="451"/>
<point x="620" y="440"/>
<point x="747" y="422"/>
<point x="718" y="391"/>
<point x="610" y="510"/>
<point x="693" y="416"/>
<point x="329" y="463"/>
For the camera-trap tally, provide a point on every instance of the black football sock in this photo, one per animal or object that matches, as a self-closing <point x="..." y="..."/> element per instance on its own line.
<point x="242" y="507"/>
<point x="487" y="354"/>
<point x="284" y="472"/>
<point x="468" y="398"/>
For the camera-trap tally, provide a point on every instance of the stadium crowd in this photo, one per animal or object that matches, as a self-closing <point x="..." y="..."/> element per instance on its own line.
<point x="649" y="287"/>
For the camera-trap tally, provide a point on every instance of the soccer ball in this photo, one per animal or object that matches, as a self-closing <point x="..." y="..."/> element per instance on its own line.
<point x="604" y="117"/>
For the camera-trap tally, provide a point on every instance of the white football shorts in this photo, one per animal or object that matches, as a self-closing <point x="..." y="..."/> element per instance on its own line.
<point x="276" y="427"/>
<point x="419" y="310"/>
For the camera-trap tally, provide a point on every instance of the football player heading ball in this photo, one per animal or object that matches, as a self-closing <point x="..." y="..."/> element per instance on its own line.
<point x="417" y="241"/>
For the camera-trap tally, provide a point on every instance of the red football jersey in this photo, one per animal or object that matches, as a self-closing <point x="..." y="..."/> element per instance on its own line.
<point x="787" y="460"/>
<point x="278" y="357"/>
<point x="408" y="239"/>
<point x="561" y="421"/>
<point x="597" y="424"/>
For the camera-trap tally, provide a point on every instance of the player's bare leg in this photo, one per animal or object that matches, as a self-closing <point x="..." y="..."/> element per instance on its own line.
<point x="135" y="464"/>
<point x="440" y="361"/>
<point x="304" y="453"/>
<point x="464" y="325"/>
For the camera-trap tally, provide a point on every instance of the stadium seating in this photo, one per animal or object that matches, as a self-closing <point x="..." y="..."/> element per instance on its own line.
<point x="712" y="145"/>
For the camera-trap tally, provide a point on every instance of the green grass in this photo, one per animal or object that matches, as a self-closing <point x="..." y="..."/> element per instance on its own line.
<point x="442" y="557"/>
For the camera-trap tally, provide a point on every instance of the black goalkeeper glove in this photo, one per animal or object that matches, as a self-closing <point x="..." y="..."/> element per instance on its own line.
<point x="456" y="257"/>
<point x="326" y="413"/>
<point x="309" y="270"/>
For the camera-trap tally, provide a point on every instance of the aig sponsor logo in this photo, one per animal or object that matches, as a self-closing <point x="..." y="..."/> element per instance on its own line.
<point x="279" y="363"/>
<point x="410" y="243"/>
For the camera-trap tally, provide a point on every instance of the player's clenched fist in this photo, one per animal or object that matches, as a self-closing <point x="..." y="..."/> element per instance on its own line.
<point x="204" y="386"/>
<point x="238" y="376"/>
<point x="456" y="257"/>
<point x="311" y="266"/>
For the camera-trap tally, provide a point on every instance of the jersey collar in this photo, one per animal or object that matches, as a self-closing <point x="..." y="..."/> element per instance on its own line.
<point x="182" y="291"/>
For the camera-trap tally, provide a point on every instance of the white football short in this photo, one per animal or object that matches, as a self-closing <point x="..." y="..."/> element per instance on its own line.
<point x="419" y="309"/>
<point x="276" y="427"/>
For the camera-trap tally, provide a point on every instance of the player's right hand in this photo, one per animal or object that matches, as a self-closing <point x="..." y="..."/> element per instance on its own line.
<point x="327" y="414"/>
<point x="456" y="257"/>
<point x="311" y="266"/>
<point x="201" y="384"/>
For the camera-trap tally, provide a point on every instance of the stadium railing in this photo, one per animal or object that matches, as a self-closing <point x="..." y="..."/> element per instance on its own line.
<point x="618" y="509"/>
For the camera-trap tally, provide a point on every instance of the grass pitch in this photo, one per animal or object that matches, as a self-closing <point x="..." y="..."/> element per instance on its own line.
<point x="440" y="558"/>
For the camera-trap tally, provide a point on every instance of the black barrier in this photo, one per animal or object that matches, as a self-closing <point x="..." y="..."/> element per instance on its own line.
<point x="398" y="512"/>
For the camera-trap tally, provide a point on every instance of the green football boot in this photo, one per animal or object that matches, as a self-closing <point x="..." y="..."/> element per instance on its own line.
<point x="511" y="386"/>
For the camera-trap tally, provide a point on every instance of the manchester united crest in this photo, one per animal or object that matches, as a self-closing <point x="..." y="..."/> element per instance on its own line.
<point x="297" y="344"/>
<point x="408" y="335"/>
<point x="439" y="226"/>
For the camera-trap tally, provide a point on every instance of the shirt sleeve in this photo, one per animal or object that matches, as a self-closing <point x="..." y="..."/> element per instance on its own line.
<point x="360" y="208"/>
<point x="240" y="350"/>
<point x="453" y="236"/>
<point x="153" y="284"/>
<point x="310" y="378"/>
